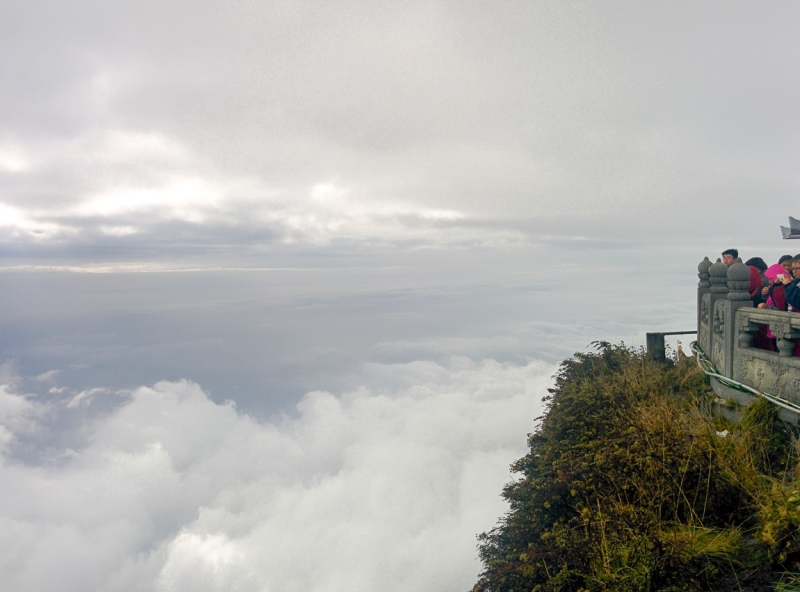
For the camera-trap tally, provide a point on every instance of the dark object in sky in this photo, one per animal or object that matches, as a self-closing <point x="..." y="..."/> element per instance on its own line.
<point x="794" y="229"/>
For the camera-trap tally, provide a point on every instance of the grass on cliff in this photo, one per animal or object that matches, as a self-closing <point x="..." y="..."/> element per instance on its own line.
<point x="629" y="485"/>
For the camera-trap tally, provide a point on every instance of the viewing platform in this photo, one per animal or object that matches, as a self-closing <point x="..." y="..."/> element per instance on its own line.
<point x="734" y="338"/>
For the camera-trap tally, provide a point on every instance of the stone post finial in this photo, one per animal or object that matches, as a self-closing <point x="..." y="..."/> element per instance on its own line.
<point x="718" y="276"/>
<point x="738" y="281"/>
<point x="702" y="273"/>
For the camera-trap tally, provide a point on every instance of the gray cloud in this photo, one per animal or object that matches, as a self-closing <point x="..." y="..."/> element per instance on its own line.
<point x="434" y="123"/>
<point x="265" y="337"/>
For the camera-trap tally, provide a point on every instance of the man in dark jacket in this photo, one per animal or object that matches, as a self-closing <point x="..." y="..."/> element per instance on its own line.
<point x="792" y="287"/>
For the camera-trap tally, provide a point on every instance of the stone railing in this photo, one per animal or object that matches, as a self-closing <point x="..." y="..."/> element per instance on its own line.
<point x="734" y="335"/>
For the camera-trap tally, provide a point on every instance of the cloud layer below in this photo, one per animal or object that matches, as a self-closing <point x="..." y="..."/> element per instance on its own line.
<point x="372" y="490"/>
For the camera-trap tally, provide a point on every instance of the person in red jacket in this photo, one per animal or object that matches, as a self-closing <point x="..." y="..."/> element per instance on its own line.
<point x="759" y="284"/>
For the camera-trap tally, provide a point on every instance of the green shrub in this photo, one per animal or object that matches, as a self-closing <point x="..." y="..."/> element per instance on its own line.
<point x="628" y="486"/>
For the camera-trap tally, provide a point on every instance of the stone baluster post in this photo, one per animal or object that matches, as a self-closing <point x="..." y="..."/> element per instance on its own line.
<point x="718" y="288"/>
<point x="702" y="287"/>
<point x="746" y="330"/>
<point x="718" y="278"/>
<point x="726" y="330"/>
<point x="738" y="277"/>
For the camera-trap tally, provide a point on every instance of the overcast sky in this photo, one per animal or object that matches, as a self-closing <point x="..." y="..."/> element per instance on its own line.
<point x="282" y="284"/>
<point x="144" y="130"/>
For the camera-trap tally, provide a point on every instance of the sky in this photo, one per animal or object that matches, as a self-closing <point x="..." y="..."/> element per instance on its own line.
<point x="283" y="284"/>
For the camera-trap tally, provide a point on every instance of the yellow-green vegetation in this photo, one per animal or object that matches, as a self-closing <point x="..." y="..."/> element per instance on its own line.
<point x="632" y="484"/>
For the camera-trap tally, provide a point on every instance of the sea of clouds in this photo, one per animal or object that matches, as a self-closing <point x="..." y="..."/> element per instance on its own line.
<point x="372" y="489"/>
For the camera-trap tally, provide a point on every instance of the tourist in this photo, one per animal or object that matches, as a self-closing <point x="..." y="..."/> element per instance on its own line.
<point x="792" y="287"/>
<point x="729" y="257"/>
<point x="786" y="262"/>
<point x="776" y="299"/>
<point x="759" y="284"/>
<point x="758" y="263"/>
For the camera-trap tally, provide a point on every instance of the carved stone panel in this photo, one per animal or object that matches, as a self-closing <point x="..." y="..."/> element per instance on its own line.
<point x="703" y="286"/>
<point x="718" y="336"/>
<point x="704" y="327"/>
<point x="719" y="319"/>
<point x="781" y="328"/>
<point x="767" y="372"/>
<point x="725" y="331"/>
<point x="718" y="354"/>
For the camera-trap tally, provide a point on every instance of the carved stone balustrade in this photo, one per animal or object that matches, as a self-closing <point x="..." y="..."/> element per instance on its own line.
<point x="707" y="297"/>
<point x="777" y="373"/>
<point x="726" y="325"/>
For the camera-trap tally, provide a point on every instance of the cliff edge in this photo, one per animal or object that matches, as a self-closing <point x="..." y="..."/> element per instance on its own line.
<point x="632" y="483"/>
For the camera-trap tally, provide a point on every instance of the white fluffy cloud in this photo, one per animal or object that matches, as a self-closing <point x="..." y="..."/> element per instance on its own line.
<point x="373" y="490"/>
